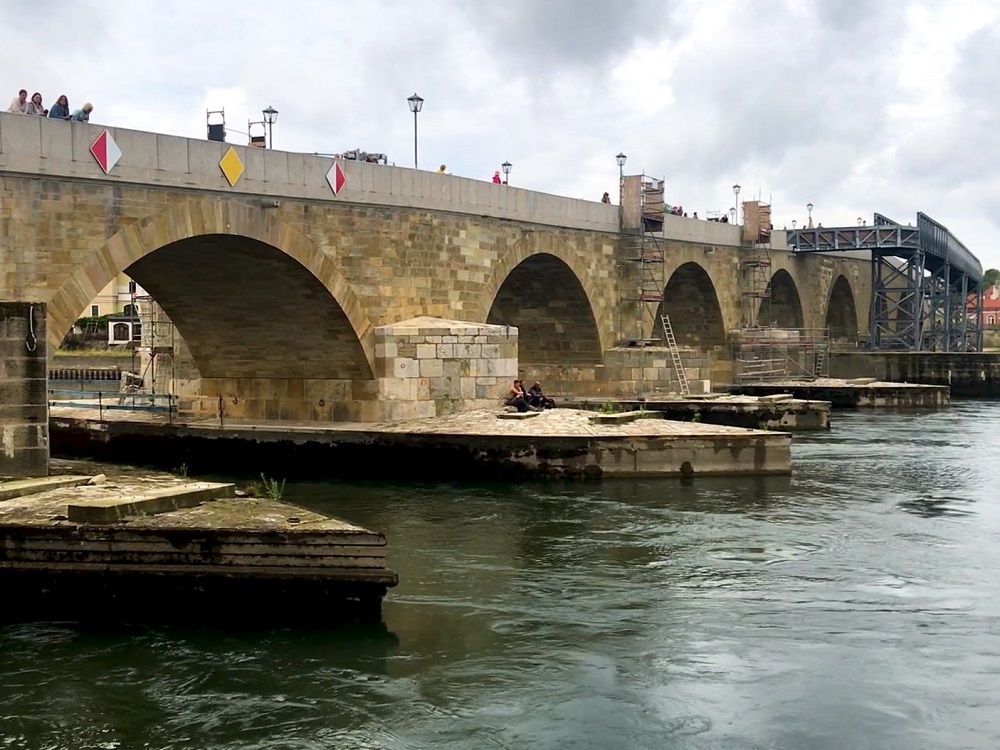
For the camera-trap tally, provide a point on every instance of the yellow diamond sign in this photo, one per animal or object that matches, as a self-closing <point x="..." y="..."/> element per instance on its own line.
<point x="231" y="166"/>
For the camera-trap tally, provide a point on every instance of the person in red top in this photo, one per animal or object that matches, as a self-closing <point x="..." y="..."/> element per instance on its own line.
<point x="496" y="178"/>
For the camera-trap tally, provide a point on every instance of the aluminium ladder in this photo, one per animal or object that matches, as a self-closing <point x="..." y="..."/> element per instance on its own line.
<point x="675" y="355"/>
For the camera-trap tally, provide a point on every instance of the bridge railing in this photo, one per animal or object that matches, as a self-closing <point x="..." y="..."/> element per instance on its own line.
<point x="53" y="149"/>
<point x="105" y="401"/>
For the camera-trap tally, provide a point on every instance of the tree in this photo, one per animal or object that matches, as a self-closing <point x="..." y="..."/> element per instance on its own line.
<point x="991" y="277"/>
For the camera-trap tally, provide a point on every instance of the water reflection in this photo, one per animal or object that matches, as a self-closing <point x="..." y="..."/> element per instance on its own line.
<point x="851" y="605"/>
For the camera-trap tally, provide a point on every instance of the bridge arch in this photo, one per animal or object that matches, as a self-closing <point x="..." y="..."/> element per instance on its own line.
<point x="783" y="307"/>
<point x="841" y="311"/>
<point x="691" y="302"/>
<point x="549" y="300"/>
<point x="245" y="290"/>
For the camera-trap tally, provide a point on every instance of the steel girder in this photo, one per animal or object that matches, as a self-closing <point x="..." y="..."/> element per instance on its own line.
<point x="897" y="301"/>
<point x="926" y="286"/>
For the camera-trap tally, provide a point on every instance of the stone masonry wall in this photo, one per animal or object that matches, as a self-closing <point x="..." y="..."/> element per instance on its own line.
<point x="628" y="371"/>
<point x="968" y="374"/>
<point x="24" y="413"/>
<point x="424" y="367"/>
<point x="428" y="367"/>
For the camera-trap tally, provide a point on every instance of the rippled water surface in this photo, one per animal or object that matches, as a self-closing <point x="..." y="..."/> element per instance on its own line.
<point x="853" y="605"/>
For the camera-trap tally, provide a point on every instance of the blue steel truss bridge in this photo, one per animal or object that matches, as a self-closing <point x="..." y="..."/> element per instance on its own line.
<point x="927" y="292"/>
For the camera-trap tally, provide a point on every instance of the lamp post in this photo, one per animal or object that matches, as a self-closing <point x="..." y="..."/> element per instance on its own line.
<point x="794" y="224"/>
<point x="809" y="208"/>
<point x="270" y="117"/>
<point x="861" y="222"/>
<point x="416" y="104"/>
<point x="736" y="192"/>
<point x="506" y="171"/>
<point x="620" y="160"/>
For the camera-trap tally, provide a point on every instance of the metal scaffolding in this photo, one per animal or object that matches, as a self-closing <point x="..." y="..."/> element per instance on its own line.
<point x="927" y="291"/>
<point x="642" y="219"/>
<point x="768" y="354"/>
<point x="157" y="344"/>
<point x="642" y="215"/>
<point x="755" y="262"/>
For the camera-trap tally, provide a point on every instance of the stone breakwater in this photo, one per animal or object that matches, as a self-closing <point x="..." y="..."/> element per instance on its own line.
<point x="157" y="547"/>
<point x="474" y="444"/>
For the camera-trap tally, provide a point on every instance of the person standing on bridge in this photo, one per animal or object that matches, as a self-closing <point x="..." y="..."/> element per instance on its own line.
<point x="496" y="178"/>
<point x="83" y="114"/>
<point x="60" y="110"/>
<point x="19" y="105"/>
<point x="441" y="169"/>
<point x="35" y="106"/>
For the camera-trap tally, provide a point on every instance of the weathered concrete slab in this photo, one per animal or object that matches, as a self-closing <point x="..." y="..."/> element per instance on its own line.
<point x="23" y="487"/>
<point x="110" y="510"/>
<point x="517" y="414"/>
<point x="556" y="443"/>
<point x="860" y="393"/>
<point x="253" y="559"/>
<point x="780" y="412"/>
<point x="623" y="417"/>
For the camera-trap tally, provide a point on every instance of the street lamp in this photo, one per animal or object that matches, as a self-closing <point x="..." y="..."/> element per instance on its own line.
<point x="270" y="117"/>
<point x="506" y="171"/>
<point x="794" y="224"/>
<point x="620" y="160"/>
<point x="861" y="222"/>
<point x="416" y="104"/>
<point x="809" y="208"/>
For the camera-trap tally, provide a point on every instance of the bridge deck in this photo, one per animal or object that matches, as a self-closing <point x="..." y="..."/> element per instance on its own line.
<point x="886" y="237"/>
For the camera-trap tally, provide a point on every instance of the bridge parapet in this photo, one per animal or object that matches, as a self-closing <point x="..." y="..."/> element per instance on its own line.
<point x="42" y="146"/>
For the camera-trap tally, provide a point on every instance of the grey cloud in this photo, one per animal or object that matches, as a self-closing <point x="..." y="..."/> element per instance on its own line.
<point x="532" y="33"/>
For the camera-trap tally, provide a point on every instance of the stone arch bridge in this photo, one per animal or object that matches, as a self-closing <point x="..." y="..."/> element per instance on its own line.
<point x="279" y="280"/>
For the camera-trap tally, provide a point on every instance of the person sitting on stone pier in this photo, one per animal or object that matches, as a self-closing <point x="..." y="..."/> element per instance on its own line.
<point x="516" y="397"/>
<point x="538" y="399"/>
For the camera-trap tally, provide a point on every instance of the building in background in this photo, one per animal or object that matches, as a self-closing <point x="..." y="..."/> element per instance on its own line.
<point x="991" y="307"/>
<point x="115" y="299"/>
<point x="116" y="306"/>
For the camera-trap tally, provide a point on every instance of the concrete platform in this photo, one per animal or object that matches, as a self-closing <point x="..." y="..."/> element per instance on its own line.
<point x="775" y="412"/>
<point x="859" y="393"/>
<point x="476" y="444"/>
<point x="133" y="558"/>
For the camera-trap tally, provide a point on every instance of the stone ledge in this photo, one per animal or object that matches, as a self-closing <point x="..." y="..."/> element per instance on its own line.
<point x="22" y="487"/>
<point x="151" y="503"/>
<point x="624" y="417"/>
<point x="517" y="414"/>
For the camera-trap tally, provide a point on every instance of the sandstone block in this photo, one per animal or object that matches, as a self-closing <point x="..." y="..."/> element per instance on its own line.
<point x="404" y="367"/>
<point x="430" y="368"/>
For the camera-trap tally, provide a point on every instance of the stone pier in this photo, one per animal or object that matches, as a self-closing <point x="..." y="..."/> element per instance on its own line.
<point x="24" y="414"/>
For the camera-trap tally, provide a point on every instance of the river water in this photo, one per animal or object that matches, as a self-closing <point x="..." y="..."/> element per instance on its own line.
<point x="853" y="605"/>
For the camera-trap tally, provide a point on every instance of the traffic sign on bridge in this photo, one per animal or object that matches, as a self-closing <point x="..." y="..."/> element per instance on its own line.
<point x="106" y="151"/>
<point x="336" y="177"/>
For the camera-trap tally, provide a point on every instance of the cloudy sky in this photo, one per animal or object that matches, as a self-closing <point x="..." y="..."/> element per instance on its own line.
<point x="854" y="105"/>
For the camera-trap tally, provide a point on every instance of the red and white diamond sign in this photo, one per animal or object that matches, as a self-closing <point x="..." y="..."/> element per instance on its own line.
<point x="106" y="151"/>
<point x="335" y="176"/>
